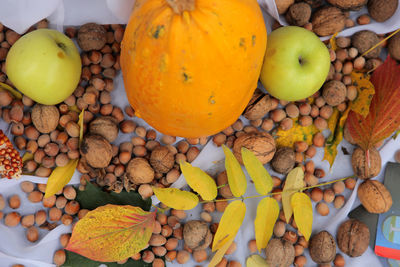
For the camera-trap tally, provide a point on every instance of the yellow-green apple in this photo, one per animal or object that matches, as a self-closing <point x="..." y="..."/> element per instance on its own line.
<point x="296" y="63"/>
<point x="45" y="65"/>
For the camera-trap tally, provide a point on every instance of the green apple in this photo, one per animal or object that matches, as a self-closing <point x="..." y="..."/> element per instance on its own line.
<point x="45" y="65"/>
<point x="296" y="63"/>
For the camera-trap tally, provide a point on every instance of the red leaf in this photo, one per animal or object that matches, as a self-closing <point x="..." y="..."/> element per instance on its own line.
<point x="384" y="112"/>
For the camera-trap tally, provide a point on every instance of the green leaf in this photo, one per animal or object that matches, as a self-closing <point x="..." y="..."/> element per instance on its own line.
<point x="75" y="260"/>
<point x="236" y="178"/>
<point x="261" y="178"/>
<point x="93" y="197"/>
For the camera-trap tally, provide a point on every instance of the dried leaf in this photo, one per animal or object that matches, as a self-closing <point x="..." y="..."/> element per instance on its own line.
<point x="176" y="198"/>
<point x="365" y="93"/>
<point x="112" y="233"/>
<point x="294" y="134"/>
<point x="236" y="178"/>
<point x="267" y="213"/>
<point x="303" y="213"/>
<point x="256" y="261"/>
<point x="294" y="182"/>
<point x="61" y="176"/>
<point x="336" y="136"/>
<point x="15" y="93"/>
<point x="230" y="223"/>
<point x="220" y="253"/>
<point x="260" y="176"/>
<point x="199" y="181"/>
<point x="332" y="41"/>
<point x="384" y="112"/>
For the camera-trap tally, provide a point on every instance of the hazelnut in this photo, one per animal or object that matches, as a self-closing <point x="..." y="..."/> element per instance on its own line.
<point x="32" y="234"/>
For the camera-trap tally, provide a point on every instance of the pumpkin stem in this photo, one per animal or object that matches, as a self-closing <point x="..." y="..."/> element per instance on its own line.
<point x="179" y="6"/>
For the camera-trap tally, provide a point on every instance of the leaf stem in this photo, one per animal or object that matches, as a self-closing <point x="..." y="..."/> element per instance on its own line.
<point x="381" y="42"/>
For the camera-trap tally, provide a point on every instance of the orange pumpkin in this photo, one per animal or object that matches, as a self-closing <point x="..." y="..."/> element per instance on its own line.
<point x="190" y="66"/>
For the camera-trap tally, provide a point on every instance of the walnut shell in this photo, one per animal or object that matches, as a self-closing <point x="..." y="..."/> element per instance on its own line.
<point x="139" y="171"/>
<point x="394" y="47"/>
<point x="260" y="104"/>
<point x="353" y="237"/>
<point x="197" y="235"/>
<point x="328" y="20"/>
<point x="96" y="150"/>
<point x="382" y="10"/>
<point x="45" y="118"/>
<point x="279" y="253"/>
<point x="284" y="160"/>
<point x="298" y="14"/>
<point x="348" y="4"/>
<point x="374" y="196"/>
<point x="283" y="5"/>
<point x="364" y="40"/>
<point x="322" y="247"/>
<point x="262" y="144"/>
<point x="162" y="159"/>
<point x="106" y="126"/>
<point x="361" y="167"/>
<point x="91" y="36"/>
<point x="334" y="92"/>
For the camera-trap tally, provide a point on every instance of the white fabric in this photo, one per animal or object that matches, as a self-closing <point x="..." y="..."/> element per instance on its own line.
<point x="14" y="248"/>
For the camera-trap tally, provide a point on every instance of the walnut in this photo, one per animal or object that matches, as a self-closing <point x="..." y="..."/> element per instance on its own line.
<point x="45" y="118"/>
<point x="353" y="237"/>
<point x="334" y="92"/>
<point x="260" y="104"/>
<point x="96" y="150"/>
<point x="279" y="253"/>
<point x="105" y="126"/>
<point x="298" y="14"/>
<point x="382" y="10"/>
<point x="283" y="5"/>
<point x="283" y="160"/>
<point x="197" y="235"/>
<point x="314" y="3"/>
<point x="374" y="196"/>
<point x="328" y="20"/>
<point x="394" y="47"/>
<point x="366" y="166"/>
<point x="348" y="4"/>
<point x="139" y="171"/>
<point x="162" y="159"/>
<point x="91" y="36"/>
<point x="322" y="247"/>
<point x="364" y="40"/>
<point x="260" y="143"/>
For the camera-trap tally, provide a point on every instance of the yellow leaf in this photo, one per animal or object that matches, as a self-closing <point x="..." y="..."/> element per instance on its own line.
<point x="294" y="182"/>
<point x="267" y="213"/>
<point x="60" y="177"/>
<point x="294" y="134"/>
<point x="15" y="93"/>
<point x="332" y="122"/>
<point x="176" y="198"/>
<point x="261" y="178"/>
<point x="220" y="253"/>
<point x="199" y="181"/>
<point x="27" y="156"/>
<point x="332" y="41"/>
<point x="365" y="92"/>
<point x="336" y="137"/>
<point x="74" y="108"/>
<point x="229" y="225"/>
<point x="303" y="213"/>
<point x="256" y="261"/>
<point x="236" y="178"/>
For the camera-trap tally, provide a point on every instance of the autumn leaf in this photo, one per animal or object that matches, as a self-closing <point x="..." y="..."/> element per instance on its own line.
<point x="295" y="134"/>
<point x="336" y="135"/>
<point x="236" y="178"/>
<point x="229" y="224"/>
<point x="294" y="182"/>
<point x="6" y="87"/>
<point x="176" y="198"/>
<point x="384" y="112"/>
<point x="365" y="93"/>
<point x="112" y="233"/>
<point x="267" y="213"/>
<point x="199" y="181"/>
<point x="256" y="261"/>
<point x="260" y="176"/>
<point x="332" y="41"/>
<point x="220" y="253"/>
<point x="303" y="213"/>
